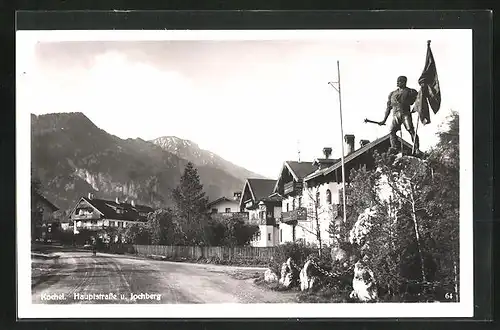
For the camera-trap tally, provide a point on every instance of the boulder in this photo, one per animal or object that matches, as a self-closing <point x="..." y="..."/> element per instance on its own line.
<point x="288" y="274"/>
<point x="339" y="254"/>
<point x="362" y="227"/>
<point x="270" y="276"/>
<point x="308" y="276"/>
<point x="363" y="283"/>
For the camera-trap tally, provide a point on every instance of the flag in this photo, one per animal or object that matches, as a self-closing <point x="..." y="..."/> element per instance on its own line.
<point x="429" y="94"/>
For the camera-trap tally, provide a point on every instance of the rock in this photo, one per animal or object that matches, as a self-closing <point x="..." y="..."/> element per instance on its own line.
<point x="308" y="276"/>
<point x="338" y="254"/>
<point x="362" y="227"/>
<point x="288" y="274"/>
<point x="270" y="276"/>
<point x="363" y="283"/>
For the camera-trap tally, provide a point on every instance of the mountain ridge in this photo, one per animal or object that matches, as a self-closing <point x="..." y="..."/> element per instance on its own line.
<point x="72" y="157"/>
<point x="191" y="151"/>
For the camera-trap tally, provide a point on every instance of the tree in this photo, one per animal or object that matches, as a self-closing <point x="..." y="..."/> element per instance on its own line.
<point x="190" y="207"/>
<point x="137" y="234"/>
<point x="315" y="215"/>
<point x="36" y="211"/>
<point x="231" y="232"/>
<point x="164" y="229"/>
<point x="412" y="238"/>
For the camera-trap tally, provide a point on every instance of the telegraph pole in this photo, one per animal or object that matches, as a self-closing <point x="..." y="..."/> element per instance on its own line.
<point x="337" y="88"/>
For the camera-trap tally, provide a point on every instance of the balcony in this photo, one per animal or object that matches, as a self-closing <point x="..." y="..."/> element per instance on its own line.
<point x="292" y="188"/>
<point x="85" y="216"/>
<point x="299" y="214"/>
<point x="230" y="215"/>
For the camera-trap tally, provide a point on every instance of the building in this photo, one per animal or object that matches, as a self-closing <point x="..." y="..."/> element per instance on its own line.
<point x="95" y="214"/>
<point x="227" y="208"/>
<point x="263" y="208"/>
<point x="42" y="217"/>
<point x="225" y="204"/>
<point x="316" y="197"/>
<point x="290" y="185"/>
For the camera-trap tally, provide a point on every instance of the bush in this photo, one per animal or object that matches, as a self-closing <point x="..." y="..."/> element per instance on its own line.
<point x="297" y="251"/>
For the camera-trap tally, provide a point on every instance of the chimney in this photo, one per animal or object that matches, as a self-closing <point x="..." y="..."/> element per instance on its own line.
<point x="117" y="201"/>
<point x="90" y="195"/>
<point x="132" y="202"/>
<point x="327" y="152"/>
<point x="363" y="143"/>
<point x="349" y="144"/>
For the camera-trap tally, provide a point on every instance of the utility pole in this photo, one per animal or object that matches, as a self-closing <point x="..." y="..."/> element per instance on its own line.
<point x="337" y="88"/>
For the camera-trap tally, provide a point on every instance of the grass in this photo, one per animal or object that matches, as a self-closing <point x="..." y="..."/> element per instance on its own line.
<point x="325" y="295"/>
<point x="245" y="274"/>
<point x="214" y="261"/>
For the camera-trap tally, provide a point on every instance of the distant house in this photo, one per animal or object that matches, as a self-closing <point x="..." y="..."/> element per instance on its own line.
<point x="43" y="221"/>
<point x="321" y="187"/>
<point x="95" y="214"/>
<point x="45" y="207"/>
<point x="227" y="208"/>
<point x="263" y="207"/>
<point x="225" y="204"/>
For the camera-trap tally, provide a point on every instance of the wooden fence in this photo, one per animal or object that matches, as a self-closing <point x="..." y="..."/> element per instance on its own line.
<point x="207" y="252"/>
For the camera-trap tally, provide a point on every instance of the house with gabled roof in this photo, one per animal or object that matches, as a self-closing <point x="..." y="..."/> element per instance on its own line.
<point x="227" y="208"/>
<point x="42" y="216"/>
<point x="225" y="204"/>
<point x="320" y="193"/>
<point x="96" y="214"/>
<point x="263" y="207"/>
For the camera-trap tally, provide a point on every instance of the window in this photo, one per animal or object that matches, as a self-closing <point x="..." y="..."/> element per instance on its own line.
<point x="228" y="210"/>
<point x="317" y="198"/>
<point x="293" y="204"/>
<point x="269" y="236"/>
<point x="262" y="215"/>
<point x="328" y="197"/>
<point x="287" y="207"/>
<point x="214" y="210"/>
<point x="281" y="235"/>
<point x="300" y="201"/>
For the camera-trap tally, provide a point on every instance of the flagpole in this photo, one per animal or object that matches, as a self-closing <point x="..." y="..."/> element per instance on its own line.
<point x="418" y="114"/>
<point x="344" y="213"/>
<point x="415" y="136"/>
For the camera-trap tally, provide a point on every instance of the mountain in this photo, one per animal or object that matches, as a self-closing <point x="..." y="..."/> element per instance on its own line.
<point x="192" y="152"/>
<point x="72" y="157"/>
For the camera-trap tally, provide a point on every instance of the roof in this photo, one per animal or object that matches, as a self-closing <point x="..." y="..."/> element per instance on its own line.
<point x="300" y="169"/>
<point x="108" y="209"/>
<point x="221" y="199"/>
<point x="326" y="161"/>
<point x="261" y="188"/>
<point x="354" y="155"/>
<point x="273" y="198"/>
<point x="46" y="202"/>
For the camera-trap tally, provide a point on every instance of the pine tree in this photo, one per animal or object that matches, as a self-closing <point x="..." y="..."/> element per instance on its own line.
<point x="36" y="213"/>
<point x="191" y="204"/>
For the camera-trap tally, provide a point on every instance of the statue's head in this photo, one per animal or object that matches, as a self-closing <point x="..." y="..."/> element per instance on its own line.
<point x="401" y="82"/>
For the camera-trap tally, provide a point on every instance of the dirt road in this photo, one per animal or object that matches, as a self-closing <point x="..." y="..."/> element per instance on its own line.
<point x="78" y="277"/>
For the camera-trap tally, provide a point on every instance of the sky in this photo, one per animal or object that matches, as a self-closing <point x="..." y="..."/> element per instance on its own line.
<point x="254" y="98"/>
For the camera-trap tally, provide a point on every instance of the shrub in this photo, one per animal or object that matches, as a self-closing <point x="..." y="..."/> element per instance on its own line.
<point x="297" y="251"/>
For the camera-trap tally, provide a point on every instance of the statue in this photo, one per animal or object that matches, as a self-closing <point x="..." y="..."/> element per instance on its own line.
<point x="400" y="101"/>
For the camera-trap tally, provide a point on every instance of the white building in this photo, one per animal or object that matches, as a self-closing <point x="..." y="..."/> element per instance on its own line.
<point x="263" y="209"/>
<point x="312" y="191"/>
